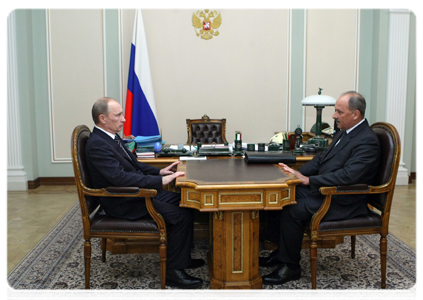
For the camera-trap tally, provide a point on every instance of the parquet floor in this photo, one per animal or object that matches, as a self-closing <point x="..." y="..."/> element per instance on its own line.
<point x="402" y="222"/>
<point x="32" y="214"/>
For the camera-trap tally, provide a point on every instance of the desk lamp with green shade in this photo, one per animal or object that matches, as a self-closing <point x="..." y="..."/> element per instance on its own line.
<point x="319" y="102"/>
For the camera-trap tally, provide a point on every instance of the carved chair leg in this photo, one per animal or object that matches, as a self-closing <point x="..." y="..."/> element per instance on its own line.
<point x="383" y="252"/>
<point x="87" y="257"/>
<point x="103" y="249"/>
<point x="353" y="246"/>
<point x="313" y="263"/>
<point x="163" y="259"/>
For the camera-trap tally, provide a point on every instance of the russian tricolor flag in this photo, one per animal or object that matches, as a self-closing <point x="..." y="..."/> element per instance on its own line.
<point x="140" y="109"/>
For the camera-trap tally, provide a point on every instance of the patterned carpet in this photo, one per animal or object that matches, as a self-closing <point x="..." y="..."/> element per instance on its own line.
<point x="57" y="263"/>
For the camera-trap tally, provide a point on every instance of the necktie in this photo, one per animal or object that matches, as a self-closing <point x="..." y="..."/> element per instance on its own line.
<point x="121" y="146"/>
<point x="340" y="138"/>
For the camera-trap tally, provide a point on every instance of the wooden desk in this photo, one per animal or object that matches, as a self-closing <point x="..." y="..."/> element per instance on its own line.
<point x="234" y="192"/>
<point x="202" y="224"/>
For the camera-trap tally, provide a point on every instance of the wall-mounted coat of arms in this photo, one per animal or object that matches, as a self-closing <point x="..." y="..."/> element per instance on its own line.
<point x="206" y="23"/>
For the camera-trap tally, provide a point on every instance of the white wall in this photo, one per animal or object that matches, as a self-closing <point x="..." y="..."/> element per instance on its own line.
<point x="240" y="75"/>
<point x="331" y="57"/>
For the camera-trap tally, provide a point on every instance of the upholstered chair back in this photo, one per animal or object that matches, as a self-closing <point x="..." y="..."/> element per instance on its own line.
<point x="206" y="130"/>
<point x="387" y="140"/>
<point x="82" y="136"/>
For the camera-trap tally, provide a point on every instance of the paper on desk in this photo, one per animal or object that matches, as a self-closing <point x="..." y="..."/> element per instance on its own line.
<point x="210" y="146"/>
<point x="189" y="148"/>
<point x="218" y="146"/>
<point x="182" y="158"/>
<point x="194" y="148"/>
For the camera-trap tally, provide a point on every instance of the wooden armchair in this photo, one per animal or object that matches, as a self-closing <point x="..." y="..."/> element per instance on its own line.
<point x="381" y="198"/>
<point x="151" y="233"/>
<point x="206" y="130"/>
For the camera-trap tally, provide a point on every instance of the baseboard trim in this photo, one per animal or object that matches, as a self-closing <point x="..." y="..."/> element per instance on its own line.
<point x="33" y="184"/>
<point x="412" y="177"/>
<point x="415" y="175"/>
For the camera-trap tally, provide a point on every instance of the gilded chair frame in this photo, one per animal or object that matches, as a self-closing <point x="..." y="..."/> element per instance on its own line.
<point x="152" y="234"/>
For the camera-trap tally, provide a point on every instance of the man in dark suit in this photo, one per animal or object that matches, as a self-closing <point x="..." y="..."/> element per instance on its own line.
<point x="111" y="164"/>
<point x="352" y="158"/>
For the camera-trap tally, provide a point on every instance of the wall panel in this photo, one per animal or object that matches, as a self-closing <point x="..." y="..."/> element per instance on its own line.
<point x="76" y="73"/>
<point x="331" y="56"/>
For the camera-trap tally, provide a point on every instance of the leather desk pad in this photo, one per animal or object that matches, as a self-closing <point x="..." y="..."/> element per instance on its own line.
<point x="232" y="170"/>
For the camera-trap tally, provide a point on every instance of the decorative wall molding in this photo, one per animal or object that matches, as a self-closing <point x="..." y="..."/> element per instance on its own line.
<point x="16" y="175"/>
<point x="399" y="29"/>
<point x="74" y="69"/>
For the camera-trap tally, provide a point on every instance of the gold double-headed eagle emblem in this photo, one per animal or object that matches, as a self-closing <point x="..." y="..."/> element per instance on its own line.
<point x="206" y="23"/>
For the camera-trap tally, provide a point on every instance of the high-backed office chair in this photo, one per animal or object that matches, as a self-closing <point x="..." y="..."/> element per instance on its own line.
<point x="206" y="130"/>
<point x="152" y="233"/>
<point x="381" y="198"/>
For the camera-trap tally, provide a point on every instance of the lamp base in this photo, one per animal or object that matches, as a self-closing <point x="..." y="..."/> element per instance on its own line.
<point x="320" y="142"/>
<point x="298" y="151"/>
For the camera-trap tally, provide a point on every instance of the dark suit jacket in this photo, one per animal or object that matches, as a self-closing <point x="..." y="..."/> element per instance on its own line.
<point x="108" y="166"/>
<point x="354" y="160"/>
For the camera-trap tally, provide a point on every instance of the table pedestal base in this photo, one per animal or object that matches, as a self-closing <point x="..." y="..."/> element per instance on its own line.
<point x="234" y="260"/>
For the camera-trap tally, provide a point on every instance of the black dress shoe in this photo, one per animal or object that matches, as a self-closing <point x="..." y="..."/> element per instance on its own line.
<point x="180" y="279"/>
<point x="196" y="263"/>
<point x="282" y="275"/>
<point x="269" y="261"/>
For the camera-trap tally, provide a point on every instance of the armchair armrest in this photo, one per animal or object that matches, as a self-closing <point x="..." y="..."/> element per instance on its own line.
<point x="138" y="192"/>
<point x="328" y="192"/>
<point x="354" y="189"/>
<point x="345" y="189"/>
<point x="119" y="192"/>
<point x="334" y="190"/>
<point x="130" y="192"/>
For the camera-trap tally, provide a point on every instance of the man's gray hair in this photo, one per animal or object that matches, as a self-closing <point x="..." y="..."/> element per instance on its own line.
<point x="100" y="107"/>
<point x="356" y="102"/>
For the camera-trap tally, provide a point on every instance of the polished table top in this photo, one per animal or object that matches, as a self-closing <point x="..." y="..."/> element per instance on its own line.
<point x="212" y="185"/>
<point x="231" y="171"/>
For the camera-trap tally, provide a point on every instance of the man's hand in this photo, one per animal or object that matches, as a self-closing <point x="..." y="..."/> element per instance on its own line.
<point x="169" y="169"/>
<point x="304" y="179"/>
<point x="169" y="178"/>
<point x="169" y="173"/>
